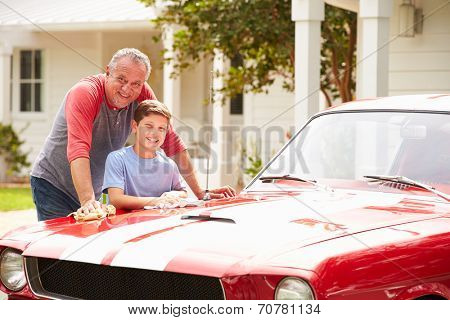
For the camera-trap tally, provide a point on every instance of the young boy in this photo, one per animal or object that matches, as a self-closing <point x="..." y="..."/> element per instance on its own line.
<point x="139" y="175"/>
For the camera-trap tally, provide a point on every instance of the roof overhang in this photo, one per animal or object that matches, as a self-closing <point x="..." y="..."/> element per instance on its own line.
<point x="82" y="26"/>
<point x="64" y="15"/>
<point x="351" y="5"/>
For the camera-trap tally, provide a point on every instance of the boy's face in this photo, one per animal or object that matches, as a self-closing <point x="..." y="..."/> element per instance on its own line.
<point x="151" y="131"/>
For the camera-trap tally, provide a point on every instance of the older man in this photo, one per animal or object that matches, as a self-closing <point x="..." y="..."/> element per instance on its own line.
<point x="93" y="120"/>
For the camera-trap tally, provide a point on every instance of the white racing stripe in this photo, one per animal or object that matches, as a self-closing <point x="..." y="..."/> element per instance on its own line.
<point x="223" y="242"/>
<point x="94" y="248"/>
<point x="157" y="251"/>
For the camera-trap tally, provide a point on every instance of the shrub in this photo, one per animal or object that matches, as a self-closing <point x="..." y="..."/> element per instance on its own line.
<point x="10" y="144"/>
<point x="252" y="160"/>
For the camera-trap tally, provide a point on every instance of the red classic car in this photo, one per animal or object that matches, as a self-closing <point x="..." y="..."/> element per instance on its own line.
<point x="355" y="206"/>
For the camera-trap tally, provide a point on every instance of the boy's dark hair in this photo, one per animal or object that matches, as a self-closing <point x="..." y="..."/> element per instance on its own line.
<point x="148" y="107"/>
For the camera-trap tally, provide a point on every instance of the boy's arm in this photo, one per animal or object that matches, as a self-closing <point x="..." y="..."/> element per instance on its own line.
<point x="122" y="201"/>
<point x="114" y="182"/>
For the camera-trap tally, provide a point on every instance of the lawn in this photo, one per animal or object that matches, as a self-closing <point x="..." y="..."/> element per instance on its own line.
<point x="15" y="199"/>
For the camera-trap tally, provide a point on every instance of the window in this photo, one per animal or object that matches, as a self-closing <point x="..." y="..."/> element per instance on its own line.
<point x="237" y="102"/>
<point x="30" y="81"/>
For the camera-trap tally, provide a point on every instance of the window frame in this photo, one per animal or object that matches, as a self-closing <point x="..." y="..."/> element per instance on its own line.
<point x="16" y="82"/>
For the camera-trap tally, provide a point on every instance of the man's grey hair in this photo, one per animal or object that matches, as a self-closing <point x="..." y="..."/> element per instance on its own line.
<point x="135" y="55"/>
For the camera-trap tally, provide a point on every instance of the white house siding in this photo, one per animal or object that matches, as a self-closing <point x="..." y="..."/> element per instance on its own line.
<point x="270" y="116"/>
<point x="194" y="96"/>
<point x="196" y="111"/>
<point x="421" y="64"/>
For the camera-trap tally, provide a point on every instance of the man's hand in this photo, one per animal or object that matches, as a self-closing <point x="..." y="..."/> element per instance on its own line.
<point x="89" y="207"/>
<point x="219" y="193"/>
<point x="100" y="213"/>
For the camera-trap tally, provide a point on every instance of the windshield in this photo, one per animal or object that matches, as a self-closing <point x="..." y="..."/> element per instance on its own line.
<point x="351" y="145"/>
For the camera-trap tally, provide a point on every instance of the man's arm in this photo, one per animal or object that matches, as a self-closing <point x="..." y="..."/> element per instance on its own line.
<point x="184" y="164"/>
<point x="183" y="161"/>
<point x="174" y="148"/>
<point x="82" y="106"/>
<point x="81" y="176"/>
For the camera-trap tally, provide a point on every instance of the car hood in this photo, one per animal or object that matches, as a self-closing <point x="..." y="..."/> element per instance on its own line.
<point x="227" y="237"/>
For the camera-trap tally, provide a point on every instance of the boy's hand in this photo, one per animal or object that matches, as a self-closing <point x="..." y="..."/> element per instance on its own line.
<point x="166" y="202"/>
<point x="174" y="194"/>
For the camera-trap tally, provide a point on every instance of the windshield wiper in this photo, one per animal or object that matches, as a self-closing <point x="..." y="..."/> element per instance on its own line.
<point x="410" y="182"/>
<point x="294" y="178"/>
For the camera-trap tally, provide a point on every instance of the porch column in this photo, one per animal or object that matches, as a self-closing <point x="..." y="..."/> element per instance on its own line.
<point x="220" y="157"/>
<point x="373" y="55"/>
<point x="172" y="86"/>
<point x="5" y="74"/>
<point x="307" y="15"/>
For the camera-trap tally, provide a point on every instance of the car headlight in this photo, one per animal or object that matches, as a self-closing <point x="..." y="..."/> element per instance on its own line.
<point x="293" y="289"/>
<point x="12" y="273"/>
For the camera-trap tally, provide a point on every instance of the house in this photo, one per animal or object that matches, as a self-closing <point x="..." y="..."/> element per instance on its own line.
<point x="47" y="46"/>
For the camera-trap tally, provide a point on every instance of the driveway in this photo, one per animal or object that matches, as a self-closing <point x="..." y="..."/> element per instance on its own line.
<point x="14" y="219"/>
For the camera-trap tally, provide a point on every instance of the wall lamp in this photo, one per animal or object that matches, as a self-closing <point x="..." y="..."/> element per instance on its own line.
<point x="410" y="19"/>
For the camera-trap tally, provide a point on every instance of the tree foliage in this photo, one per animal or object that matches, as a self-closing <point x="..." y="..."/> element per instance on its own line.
<point x="338" y="54"/>
<point x="261" y="34"/>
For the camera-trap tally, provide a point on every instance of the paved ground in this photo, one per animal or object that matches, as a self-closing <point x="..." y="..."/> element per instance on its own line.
<point x="13" y="219"/>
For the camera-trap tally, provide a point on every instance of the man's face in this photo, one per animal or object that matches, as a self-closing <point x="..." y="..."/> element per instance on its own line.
<point x="151" y="131"/>
<point x="124" y="82"/>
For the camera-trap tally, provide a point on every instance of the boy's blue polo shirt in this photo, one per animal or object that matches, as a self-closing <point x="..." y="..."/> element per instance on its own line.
<point x="141" y="177"/>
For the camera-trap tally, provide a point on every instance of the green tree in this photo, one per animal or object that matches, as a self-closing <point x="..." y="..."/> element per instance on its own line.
<point x="260" y="33"/>
<point x="338" y="54"/>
